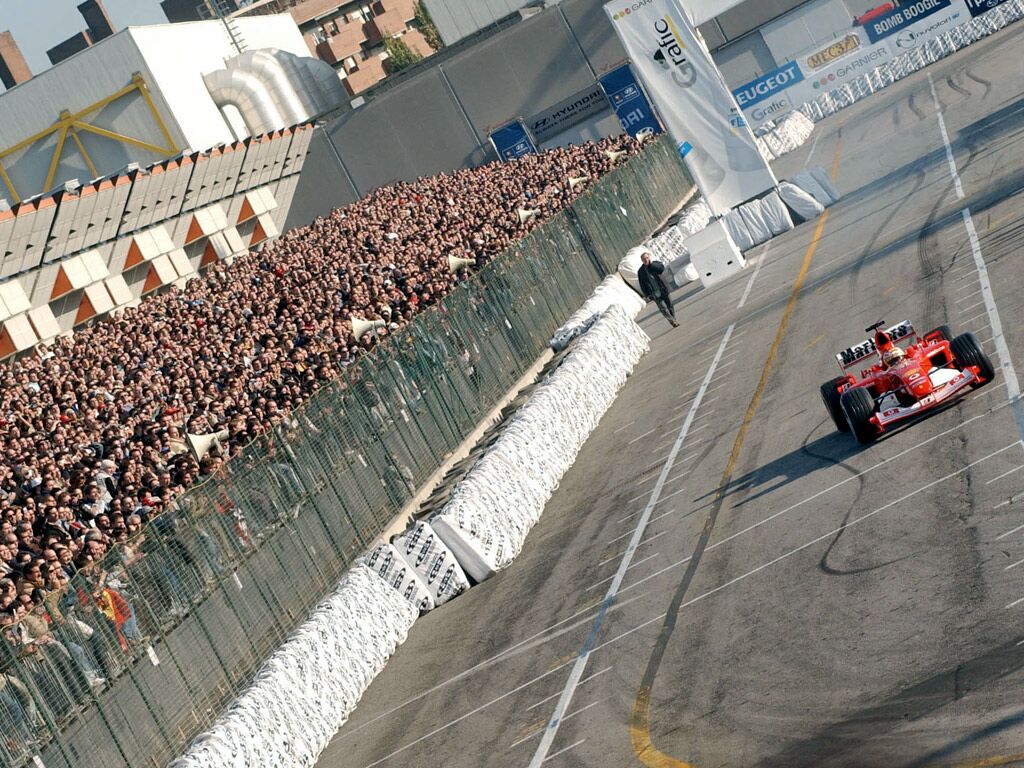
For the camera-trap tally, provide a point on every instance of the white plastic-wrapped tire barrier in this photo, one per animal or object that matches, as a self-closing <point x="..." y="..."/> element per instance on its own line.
<point x="490" y="512"/>
<point x="694" y="219"/>
<point x="737" y="228"/>
<point x="305" y="692"/>
<point x="387" y="562"/>
<point x="801" y="203"/>
<point x="435" y="564"/>
<point x="611" y="291"/>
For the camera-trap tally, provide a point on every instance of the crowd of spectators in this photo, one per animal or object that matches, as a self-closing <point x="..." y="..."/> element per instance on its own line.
<point x="93" y="429"/>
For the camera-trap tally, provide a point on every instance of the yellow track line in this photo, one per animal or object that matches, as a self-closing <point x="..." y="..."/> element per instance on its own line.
<point x="639" y="730"/>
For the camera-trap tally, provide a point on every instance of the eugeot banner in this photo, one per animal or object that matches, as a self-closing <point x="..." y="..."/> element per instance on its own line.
<point x="693" y="100"/>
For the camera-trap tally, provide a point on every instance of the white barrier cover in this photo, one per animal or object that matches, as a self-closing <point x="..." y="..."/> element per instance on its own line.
<point x="825" y="182"/>
<point x="435" y="564"/>
<point x="491" y="511"/>
<point x="305" y="692"/>
<point x="612" y="291"/>
<point x="764" y="149"/>
<point x="796" y="127"/>
<point x="755" y="221"/>
<point x="695" y="218"/>
<point x="806" y="181"/>
<point x="805" y="206"/>
<point x="775" y="214"/>
<point x="737" y="229"/>
<point x="630" y="265"/>
<point x="387" y="562"/>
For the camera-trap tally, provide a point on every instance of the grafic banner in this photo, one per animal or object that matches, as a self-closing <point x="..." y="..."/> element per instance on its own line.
<point x="693" y="100"/>
<point x="512" y="140"/>
<point x="629" y="102"/>
<point x="854" y="53"/>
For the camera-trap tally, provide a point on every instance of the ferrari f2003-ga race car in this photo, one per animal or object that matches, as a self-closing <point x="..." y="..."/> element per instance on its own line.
<point x="903" y="383"/>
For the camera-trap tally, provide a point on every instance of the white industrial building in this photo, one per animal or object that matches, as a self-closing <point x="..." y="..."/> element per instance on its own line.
<point x="144" y="159"/>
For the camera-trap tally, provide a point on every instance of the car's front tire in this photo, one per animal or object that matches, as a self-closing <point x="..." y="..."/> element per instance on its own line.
<point x="967" y="351"/>
<point x="830" y="396"/>
<point x="859" y="407"/>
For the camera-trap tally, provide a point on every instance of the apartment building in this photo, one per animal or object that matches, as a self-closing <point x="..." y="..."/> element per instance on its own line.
<point x="350" y="35"/>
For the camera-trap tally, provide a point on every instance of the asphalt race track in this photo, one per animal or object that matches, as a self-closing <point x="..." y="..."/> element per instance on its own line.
<point x="793" y="599"/>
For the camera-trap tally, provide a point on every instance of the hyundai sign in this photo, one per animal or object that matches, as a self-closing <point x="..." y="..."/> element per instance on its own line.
<point x="767" y="85"/>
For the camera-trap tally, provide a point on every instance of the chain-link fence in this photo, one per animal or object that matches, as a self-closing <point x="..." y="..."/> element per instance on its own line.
<point x="152" y="639"/>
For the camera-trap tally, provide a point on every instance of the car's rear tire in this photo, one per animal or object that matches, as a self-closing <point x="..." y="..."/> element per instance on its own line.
<point x="967" y="351"/>
<point x="859" y="407"/>
<point x="830" y="396"/>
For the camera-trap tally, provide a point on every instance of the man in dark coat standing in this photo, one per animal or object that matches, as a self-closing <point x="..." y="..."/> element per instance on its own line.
<point x="654" y="288"/>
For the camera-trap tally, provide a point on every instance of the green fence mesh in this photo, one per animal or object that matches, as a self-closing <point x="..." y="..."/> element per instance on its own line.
<point x="150" y="641"/>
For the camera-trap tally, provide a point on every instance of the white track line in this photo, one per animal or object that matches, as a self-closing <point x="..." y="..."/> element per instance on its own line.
<point x="641" y="437"/>
<point x="1010" y="532"/>
<point x="1013" y="565"/>
<point x="580" y="665"/>
<point x="597" y="584"/>
<point x="945" y="140"/>
<point x="674" y="493"/>
<point x="630" y="533"/>
<point x="817" y="540"/>
<point x="553" y="755"/>
<point x="969" y="295"/>
<point x="1008" y="373"/>
<point x="753" y="277"/>
<point x="584" y="681"/>
<point x="1000" y="477"/>
<point x="817" y="495"/>
<point x="1015" y="602"/>
<point x="482" y="665"/>
<point x="968" y="309"/>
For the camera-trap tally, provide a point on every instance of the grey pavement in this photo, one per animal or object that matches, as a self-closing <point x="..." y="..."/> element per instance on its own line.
<point x="830" y="604"/>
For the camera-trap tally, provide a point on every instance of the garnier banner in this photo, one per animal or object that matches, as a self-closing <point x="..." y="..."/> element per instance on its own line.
<point x="693" y="100"/>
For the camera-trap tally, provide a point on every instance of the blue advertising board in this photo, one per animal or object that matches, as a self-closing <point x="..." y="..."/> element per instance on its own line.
<point x="903" y="16"/>
<point x="978" y="7"/>
<point x="629" y="102"/>
<point x="768" y="84"/>
<point x="512" y="140"/>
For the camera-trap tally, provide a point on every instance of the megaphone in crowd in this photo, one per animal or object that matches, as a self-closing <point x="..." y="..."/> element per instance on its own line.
<point x="575" y="181"/>
<point x="456" y="263"/>
<point x="200" y="445"/>
<point x="362" y="327"/>
<point x="525" y="214"/>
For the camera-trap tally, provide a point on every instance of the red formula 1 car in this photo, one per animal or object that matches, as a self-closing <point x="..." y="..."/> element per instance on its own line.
<point x="903" y="383"/>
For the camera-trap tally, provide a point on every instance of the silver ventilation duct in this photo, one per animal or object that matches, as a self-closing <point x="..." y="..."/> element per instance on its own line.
<point x="273" y="89"/>
<point x="306" y="87"/>
<point x="332" y="92"/>
<point x="248" y="93"/>
<point x="265" y="66"/>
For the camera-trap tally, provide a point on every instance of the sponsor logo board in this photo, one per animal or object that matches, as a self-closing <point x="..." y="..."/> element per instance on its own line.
<point x="978" y="7"/>
<point x="768" y="84"/>
<point x="902" y="17"/>
<point x="833" y="52"/>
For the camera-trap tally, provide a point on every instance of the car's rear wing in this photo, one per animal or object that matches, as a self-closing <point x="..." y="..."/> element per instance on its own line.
<point x="853" y="355"/>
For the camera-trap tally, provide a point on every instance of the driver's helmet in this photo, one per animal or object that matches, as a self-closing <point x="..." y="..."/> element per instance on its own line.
<point x="893" y="356"/>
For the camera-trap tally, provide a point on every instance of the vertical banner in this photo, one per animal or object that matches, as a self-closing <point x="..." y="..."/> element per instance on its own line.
<point x="512" y="140"/>
<point x="693" y="100"/>
<point x="629" y="102"/>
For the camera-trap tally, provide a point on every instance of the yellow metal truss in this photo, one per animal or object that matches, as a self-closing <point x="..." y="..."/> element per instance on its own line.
<point x="70" y="124"/>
